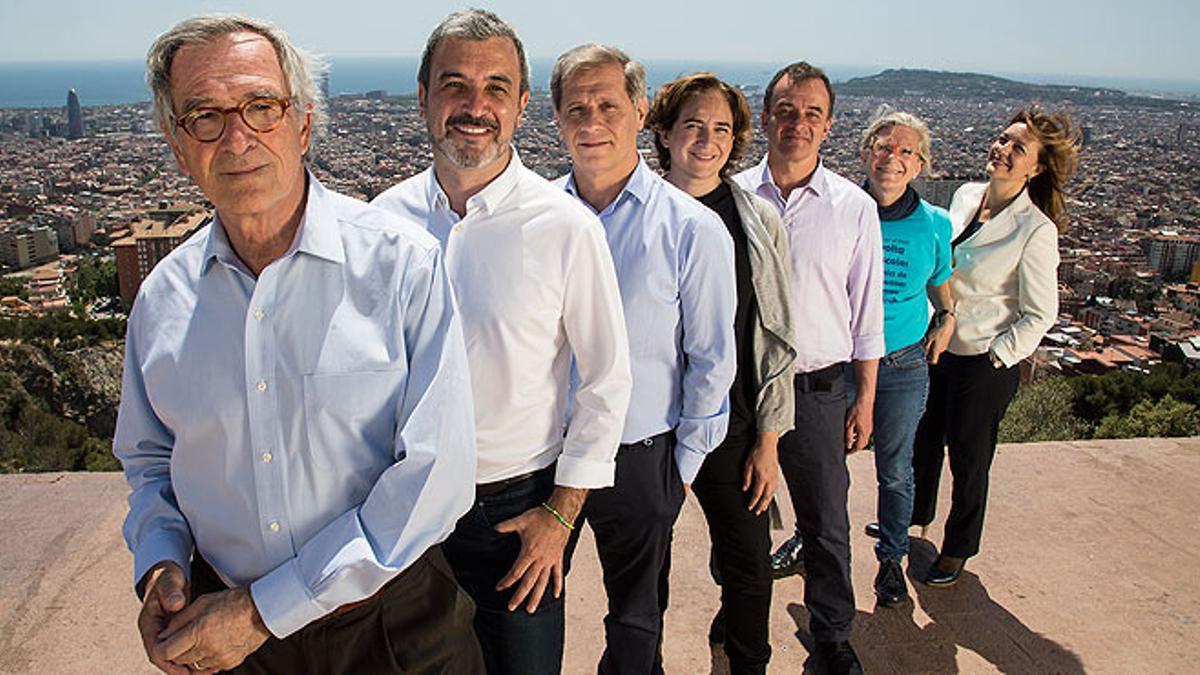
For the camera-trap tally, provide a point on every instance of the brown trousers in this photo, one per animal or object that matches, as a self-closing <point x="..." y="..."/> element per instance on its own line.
<point x="420" y="622"/>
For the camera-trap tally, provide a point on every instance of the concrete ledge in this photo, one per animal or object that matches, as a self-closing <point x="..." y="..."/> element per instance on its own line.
<point x="1088" y="565"/>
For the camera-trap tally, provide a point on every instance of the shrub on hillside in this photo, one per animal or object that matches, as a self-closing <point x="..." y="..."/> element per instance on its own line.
<point x="1042" y="411"/>
<point x="1167" y="417"/>
<point x="34" y="439"/>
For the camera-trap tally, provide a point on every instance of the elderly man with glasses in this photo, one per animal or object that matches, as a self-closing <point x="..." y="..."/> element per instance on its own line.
<point x="295" y="421"/>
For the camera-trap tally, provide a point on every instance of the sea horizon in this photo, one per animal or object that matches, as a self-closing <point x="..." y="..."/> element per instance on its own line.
<point x="44" y="84"/>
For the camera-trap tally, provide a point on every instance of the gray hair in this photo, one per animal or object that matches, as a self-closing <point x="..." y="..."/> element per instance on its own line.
<point x="886" y="117"/>
<point x="592" y="55"/>
<point x="472" y="24"/>
<point x="300" y="68"/>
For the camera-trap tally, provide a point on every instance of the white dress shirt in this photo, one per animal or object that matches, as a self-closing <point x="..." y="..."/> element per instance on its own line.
<point x="1005" y="279"/>
<point x="837" y="265"/>
<point x="308" y="430"/>
<point x="535" y="284"/>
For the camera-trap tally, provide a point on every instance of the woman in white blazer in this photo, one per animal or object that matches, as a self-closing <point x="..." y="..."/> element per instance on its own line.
<point x="1005" y="287"/>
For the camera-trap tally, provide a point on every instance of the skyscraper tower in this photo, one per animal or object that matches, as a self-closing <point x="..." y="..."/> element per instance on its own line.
<point x="74" y="116"/>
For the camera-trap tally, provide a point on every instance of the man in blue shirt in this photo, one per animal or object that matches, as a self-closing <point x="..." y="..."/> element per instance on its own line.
<point x="295" y="421"/>
<point x="674" y="262"/>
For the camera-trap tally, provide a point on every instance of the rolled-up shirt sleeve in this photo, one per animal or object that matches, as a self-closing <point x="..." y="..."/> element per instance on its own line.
<point x="595" y="326"/>
<point x="708" y="300"/>
<point x="414" y="503"/>
<point x="154" y="529"/>
<point x="864" y="288"/>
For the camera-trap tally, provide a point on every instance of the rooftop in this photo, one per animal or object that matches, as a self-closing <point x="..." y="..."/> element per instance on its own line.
<point x="1088" y="565"/>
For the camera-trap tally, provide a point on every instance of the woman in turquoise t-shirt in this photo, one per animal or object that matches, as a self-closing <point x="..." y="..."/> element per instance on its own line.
<point x="916" y="273"/>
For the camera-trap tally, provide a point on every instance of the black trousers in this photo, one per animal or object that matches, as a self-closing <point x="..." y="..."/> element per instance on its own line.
<point x="420" y="623"/>
<point x="741" y="544"/>
<point x="514" y="642"/>
<point x="813" y="459"/>
<point x="632" y="522"/>
<point x="967" y="399"/>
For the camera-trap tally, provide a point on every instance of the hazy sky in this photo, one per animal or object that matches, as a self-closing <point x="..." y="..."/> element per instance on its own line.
<point x="1144" y="39"/>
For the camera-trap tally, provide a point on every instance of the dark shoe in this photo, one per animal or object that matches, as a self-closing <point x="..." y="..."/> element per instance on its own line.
<point x="838" y="657"/>
<point x="788" y="559"/>
<point x="944" y="571"/>
<point x="890" y="588"/>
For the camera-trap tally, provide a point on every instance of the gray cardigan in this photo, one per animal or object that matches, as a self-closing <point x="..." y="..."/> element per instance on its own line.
<point x="773" y="333"/>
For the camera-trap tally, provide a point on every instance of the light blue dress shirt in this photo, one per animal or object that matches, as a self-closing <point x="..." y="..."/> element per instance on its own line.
<point x="674" y="261"/>
<point x="310" y="430"/>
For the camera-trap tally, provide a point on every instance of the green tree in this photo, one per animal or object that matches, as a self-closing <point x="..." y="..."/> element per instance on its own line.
<point x="1166" y="418"/>
<point x="95" y="278"/>
<point x="14" y="286"/>
<point x="1042" y="411"/>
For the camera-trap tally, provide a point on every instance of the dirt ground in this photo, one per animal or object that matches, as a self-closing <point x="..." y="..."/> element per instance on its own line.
<point x="1088" y="565"/>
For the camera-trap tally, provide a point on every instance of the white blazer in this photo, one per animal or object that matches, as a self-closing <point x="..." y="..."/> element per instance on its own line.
<point x="1005" y="278"/>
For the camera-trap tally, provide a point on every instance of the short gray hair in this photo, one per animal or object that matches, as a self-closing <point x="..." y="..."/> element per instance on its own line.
<point x="472" y="24"/>
<point x="300" y="68"/>
<point x="886" y="117"/>
<point x="592" y="55"/>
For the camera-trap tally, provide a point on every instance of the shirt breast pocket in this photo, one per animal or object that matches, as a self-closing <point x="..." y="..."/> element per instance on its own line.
<point x="352" y="416"/>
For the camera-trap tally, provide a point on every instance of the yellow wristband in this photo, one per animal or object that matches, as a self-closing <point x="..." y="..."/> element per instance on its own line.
<point x="558" y="516"/>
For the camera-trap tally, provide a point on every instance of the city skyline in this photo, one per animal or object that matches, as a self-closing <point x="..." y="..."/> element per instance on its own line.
<point x="1076" y="40"/>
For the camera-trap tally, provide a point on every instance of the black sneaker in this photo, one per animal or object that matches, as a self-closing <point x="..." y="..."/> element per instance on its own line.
<point x="788" y="559"/>
<point x="890" y="588"/>
<point x="838" y="657"/>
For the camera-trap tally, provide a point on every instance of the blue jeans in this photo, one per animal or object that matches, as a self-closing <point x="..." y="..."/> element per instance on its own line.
<point x="514" y="642"/>
<point x="900" y="393"/>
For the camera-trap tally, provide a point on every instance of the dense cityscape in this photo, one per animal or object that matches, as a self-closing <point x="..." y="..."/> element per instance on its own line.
<point x="98" y="185"/>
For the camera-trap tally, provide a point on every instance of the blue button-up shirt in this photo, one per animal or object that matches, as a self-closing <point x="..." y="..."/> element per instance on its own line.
<point x="674" y="261"/>
<point x="310" y="431"/>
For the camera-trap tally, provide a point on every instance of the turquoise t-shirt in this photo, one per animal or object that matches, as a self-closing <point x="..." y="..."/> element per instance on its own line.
<point x="916" y="254"/>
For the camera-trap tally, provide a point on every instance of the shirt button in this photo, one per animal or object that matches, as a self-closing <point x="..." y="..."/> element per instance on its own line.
<point x="259" y="314"/>
<point x="274" y="525"/>
<point x="267" y="457"/>
<point x="261" y="386"/>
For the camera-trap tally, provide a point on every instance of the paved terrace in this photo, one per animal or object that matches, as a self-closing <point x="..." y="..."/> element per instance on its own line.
<point x="1089" y="565"/>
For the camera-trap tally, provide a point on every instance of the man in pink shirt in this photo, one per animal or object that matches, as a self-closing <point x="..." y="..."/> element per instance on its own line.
<point x="837" y="301"/>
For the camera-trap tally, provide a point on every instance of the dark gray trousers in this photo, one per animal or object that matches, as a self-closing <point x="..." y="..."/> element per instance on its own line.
<point x="632" y="522"/>
<point x="813" y="459"/>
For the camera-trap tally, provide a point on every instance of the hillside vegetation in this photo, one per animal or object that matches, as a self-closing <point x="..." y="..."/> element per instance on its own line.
<point x="60" y="384"/>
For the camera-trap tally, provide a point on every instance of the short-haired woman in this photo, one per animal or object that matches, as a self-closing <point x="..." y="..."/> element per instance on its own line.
<point x="895" y="149"/>
<point x="701" y="126"/>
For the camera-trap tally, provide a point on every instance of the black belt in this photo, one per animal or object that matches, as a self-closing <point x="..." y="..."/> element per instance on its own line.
<point x="496" y="487"/>
<point x="820" y="380"/>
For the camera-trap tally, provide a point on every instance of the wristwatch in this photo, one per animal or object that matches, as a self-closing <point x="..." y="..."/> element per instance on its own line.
<point x="940" y="315"/>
